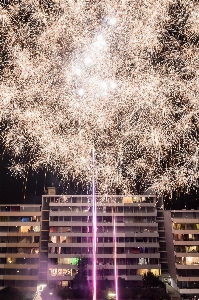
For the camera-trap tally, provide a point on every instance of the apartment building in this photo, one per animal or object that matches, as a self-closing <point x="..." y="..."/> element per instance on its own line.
<point x="182" y="240"/>
<point x="19" y="246"/>
<point x="67" y="233"/>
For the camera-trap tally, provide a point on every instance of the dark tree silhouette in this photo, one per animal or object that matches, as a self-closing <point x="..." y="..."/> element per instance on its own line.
<point x="151" y="280"/>
<point x="11" y="293"/>
<point x="82" y="286"/>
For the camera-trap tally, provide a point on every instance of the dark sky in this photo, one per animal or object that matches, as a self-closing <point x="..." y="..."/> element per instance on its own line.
<point x="12" y="189"/>
<point x="30" y="189"/>
<point x="18" y="190"/>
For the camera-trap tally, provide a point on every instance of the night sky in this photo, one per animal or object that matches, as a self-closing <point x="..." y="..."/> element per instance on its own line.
<point x="17" y="190"/>
<point x="169" y="59"/>
<point x="30" y="190"/>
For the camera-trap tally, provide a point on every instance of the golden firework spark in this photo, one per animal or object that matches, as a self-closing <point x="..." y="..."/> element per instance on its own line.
<point x="121" y="76"/>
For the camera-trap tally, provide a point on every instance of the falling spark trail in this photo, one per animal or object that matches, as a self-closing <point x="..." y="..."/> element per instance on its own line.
<point x="120" y="75"/>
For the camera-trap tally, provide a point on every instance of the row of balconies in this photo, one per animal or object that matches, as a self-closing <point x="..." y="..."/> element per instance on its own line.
<point x="19" y="255"/>
<point x="122" y="235"/>
<point x="20" y="214"/>
<point x="101" y="273"/>
<point x="111" y="277"/>
<point x="19" y="223"/>
<point x="109" y="245"/>
<point x="89" y="255"/>
<point x="20" y="234"/>
<point x="187" y="231"/>
<point x="19" y="266"/>
<point x="19" y="239"/>
<point x="186" y="266"/>
<point x="186" y="284"/>
<point x="100" y="229"/>
<point x="184" y="243"/>
<point x="185" y="226"/>
<point x="18" y="277"/>
<point x="187" y="278"/>
<point x="125" y="241"/>
<point x="103" y="217"/>
<point x="185" y="220"/>
<point x="130" y="214"/>
<point x="110" y="266"/>
<point x="24" y="287"/>
<point x="188" y="291"/>
<point x="108" y="200"/>
<point x="17" y="245"/>
<point x="18" y="208"/>
<point x="21" y="272"/>
<point x="85" y="246"/>
<point x="186" y="254"/>
<point x="53" y="221"/>
<point x="84" y="211"/>
<point x="74" y="232"/>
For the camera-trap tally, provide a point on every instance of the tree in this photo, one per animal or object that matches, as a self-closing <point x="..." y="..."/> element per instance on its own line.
<point x="11" y="293"/>
<point x="151" y="280"/>
<point x="81" y="285"/>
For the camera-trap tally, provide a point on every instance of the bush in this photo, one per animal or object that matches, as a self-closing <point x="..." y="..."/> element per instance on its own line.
<point x="11" y="293"/>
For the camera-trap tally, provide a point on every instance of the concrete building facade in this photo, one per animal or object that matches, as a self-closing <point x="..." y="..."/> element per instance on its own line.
<point x="66" y="236"/>
<point x="19" y="246"/>
<point x="42" y="244"/>
<point x="182" y="241"/>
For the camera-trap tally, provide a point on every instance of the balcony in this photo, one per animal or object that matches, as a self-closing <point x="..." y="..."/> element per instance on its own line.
<point x="20" y="213"/>
<point x="186" y="254"/>
<point x="186" y="267"/>
<point x="185" y="231"/>
<point x="74" y="234"/>
<point x="19" y="223"/>
<point x="19" y="266"/>
<point x="184" y="220"/>
<point x="184" y="278"/>
<point x="126" y="277"/>
<point x="70" y="213"/>
<point x="111" y="200"/>
<point x="59" y="278"/>
<point x="104" y="255"/>
<point x="109" y="233"/>
<point x="20" y="234"/>
<point x="18" y="277"/>
<point x="125" y="245"/>
<point x="186" y="243"/>
<point x="19" y="255"/>
<point x="129" y="255"/>
<point x="19" y="245"/>
<point x="188" y="291"/>
<point x="88" y="202"/>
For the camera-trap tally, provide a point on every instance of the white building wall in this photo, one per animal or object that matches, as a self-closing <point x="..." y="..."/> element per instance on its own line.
<point x="70" y="235"/>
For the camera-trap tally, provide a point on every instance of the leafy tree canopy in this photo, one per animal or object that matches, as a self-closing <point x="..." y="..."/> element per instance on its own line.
<point x="151" y="280"/>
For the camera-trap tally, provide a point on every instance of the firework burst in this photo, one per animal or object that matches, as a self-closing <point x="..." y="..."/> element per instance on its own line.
<point x="119" y="76"/>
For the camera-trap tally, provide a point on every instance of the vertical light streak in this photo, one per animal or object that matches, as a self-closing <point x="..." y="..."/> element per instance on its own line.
<point x="94" y="229"/>
<point x="115" y="255"/>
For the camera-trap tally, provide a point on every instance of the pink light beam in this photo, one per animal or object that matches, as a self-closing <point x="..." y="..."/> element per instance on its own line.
<point x="115" y="257"/>
<point x="94" y="230"/>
